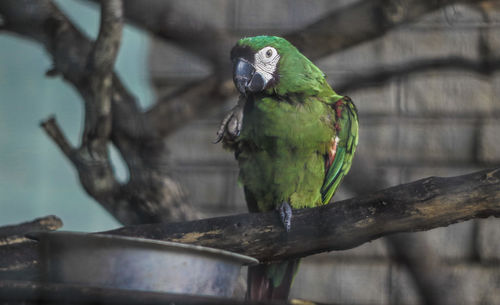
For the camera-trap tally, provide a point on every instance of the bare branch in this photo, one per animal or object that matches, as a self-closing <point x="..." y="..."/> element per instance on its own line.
<point x="156" y="195"/>
<point x="19" y="255"/>
<point x="103" y="55"/>
<point x="15" y="233"/>
<point x="362" y="21"/>
<point x="420" y="205"/>
<point x="53" y="130"/>
<point x="99" y="74"/>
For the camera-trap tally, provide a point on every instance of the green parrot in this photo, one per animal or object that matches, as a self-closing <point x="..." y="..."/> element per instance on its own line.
<point x="294" y="139"/>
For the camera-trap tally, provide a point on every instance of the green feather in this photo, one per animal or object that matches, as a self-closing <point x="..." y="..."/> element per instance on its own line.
<point x="348" y="136"/>
<point x="332" y="177"/>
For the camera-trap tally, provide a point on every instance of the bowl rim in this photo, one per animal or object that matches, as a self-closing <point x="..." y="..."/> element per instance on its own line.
<point x="137" y="242"/>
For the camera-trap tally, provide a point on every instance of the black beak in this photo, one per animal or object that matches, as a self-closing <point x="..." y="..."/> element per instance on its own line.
<point x="245" y="78"/>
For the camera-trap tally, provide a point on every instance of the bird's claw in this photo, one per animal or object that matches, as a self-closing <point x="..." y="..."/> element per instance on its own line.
<point x="230" y="127"/>
<point x="223" y="126"/>
<point x="285" y="211"/>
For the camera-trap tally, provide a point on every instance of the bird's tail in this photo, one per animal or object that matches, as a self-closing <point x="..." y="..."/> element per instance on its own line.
<point x="271" y="281"/>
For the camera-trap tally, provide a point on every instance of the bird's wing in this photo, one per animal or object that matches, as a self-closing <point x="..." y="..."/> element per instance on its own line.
<point x="339" y="158"/>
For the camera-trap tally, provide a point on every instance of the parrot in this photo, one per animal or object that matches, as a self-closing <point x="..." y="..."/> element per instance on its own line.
<point x="293" y="137"/>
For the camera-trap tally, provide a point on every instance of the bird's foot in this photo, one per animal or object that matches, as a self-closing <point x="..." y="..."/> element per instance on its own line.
<point x="285" y="211"/>
<point x="231" y="125"/>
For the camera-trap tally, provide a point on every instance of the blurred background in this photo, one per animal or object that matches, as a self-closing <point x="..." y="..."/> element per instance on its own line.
<point x="427" y="95"/>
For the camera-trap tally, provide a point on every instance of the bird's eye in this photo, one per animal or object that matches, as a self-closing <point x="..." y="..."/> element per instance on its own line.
<point x="266" y="55"/>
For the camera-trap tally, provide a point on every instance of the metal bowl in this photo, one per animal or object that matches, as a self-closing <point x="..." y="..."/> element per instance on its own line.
<point x="135" y="263"/>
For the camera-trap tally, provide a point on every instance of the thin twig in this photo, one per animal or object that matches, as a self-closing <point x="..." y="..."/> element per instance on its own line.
<point x="55" y="132"/>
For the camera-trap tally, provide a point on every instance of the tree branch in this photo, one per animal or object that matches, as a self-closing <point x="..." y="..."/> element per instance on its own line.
<point x="15" y="233"/>
<point x="99" y="75"/>
<point x="360" y="22"/>
<point x="19" y="255"/>
<point x="421" y="205"/>
<point x="151" y="194"/>
<point x="55" y="132"/>
<point x="103" y="55"/>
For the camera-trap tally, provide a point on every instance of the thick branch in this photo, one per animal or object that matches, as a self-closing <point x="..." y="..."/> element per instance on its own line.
<point x="417" y="206"/>
<point x="362" y="21"/>
<point x="103" y="55"/>
<point x="420" y="205"/>
<point x="150" y="195"/>
<point x="19" y="255"/>
<point x="15" y="233"/>
<point x="99" y="75"/>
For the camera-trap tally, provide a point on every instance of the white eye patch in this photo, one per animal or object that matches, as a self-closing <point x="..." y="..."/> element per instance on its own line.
<point x="266" y="61"/>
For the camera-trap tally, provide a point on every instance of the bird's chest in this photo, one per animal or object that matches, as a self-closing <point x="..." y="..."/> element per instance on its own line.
<point x="271" y="125"/>
<point x="281" y="152"/>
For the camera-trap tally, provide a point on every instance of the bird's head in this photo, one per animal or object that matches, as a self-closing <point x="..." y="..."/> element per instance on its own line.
<point x="273" y="65"/>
